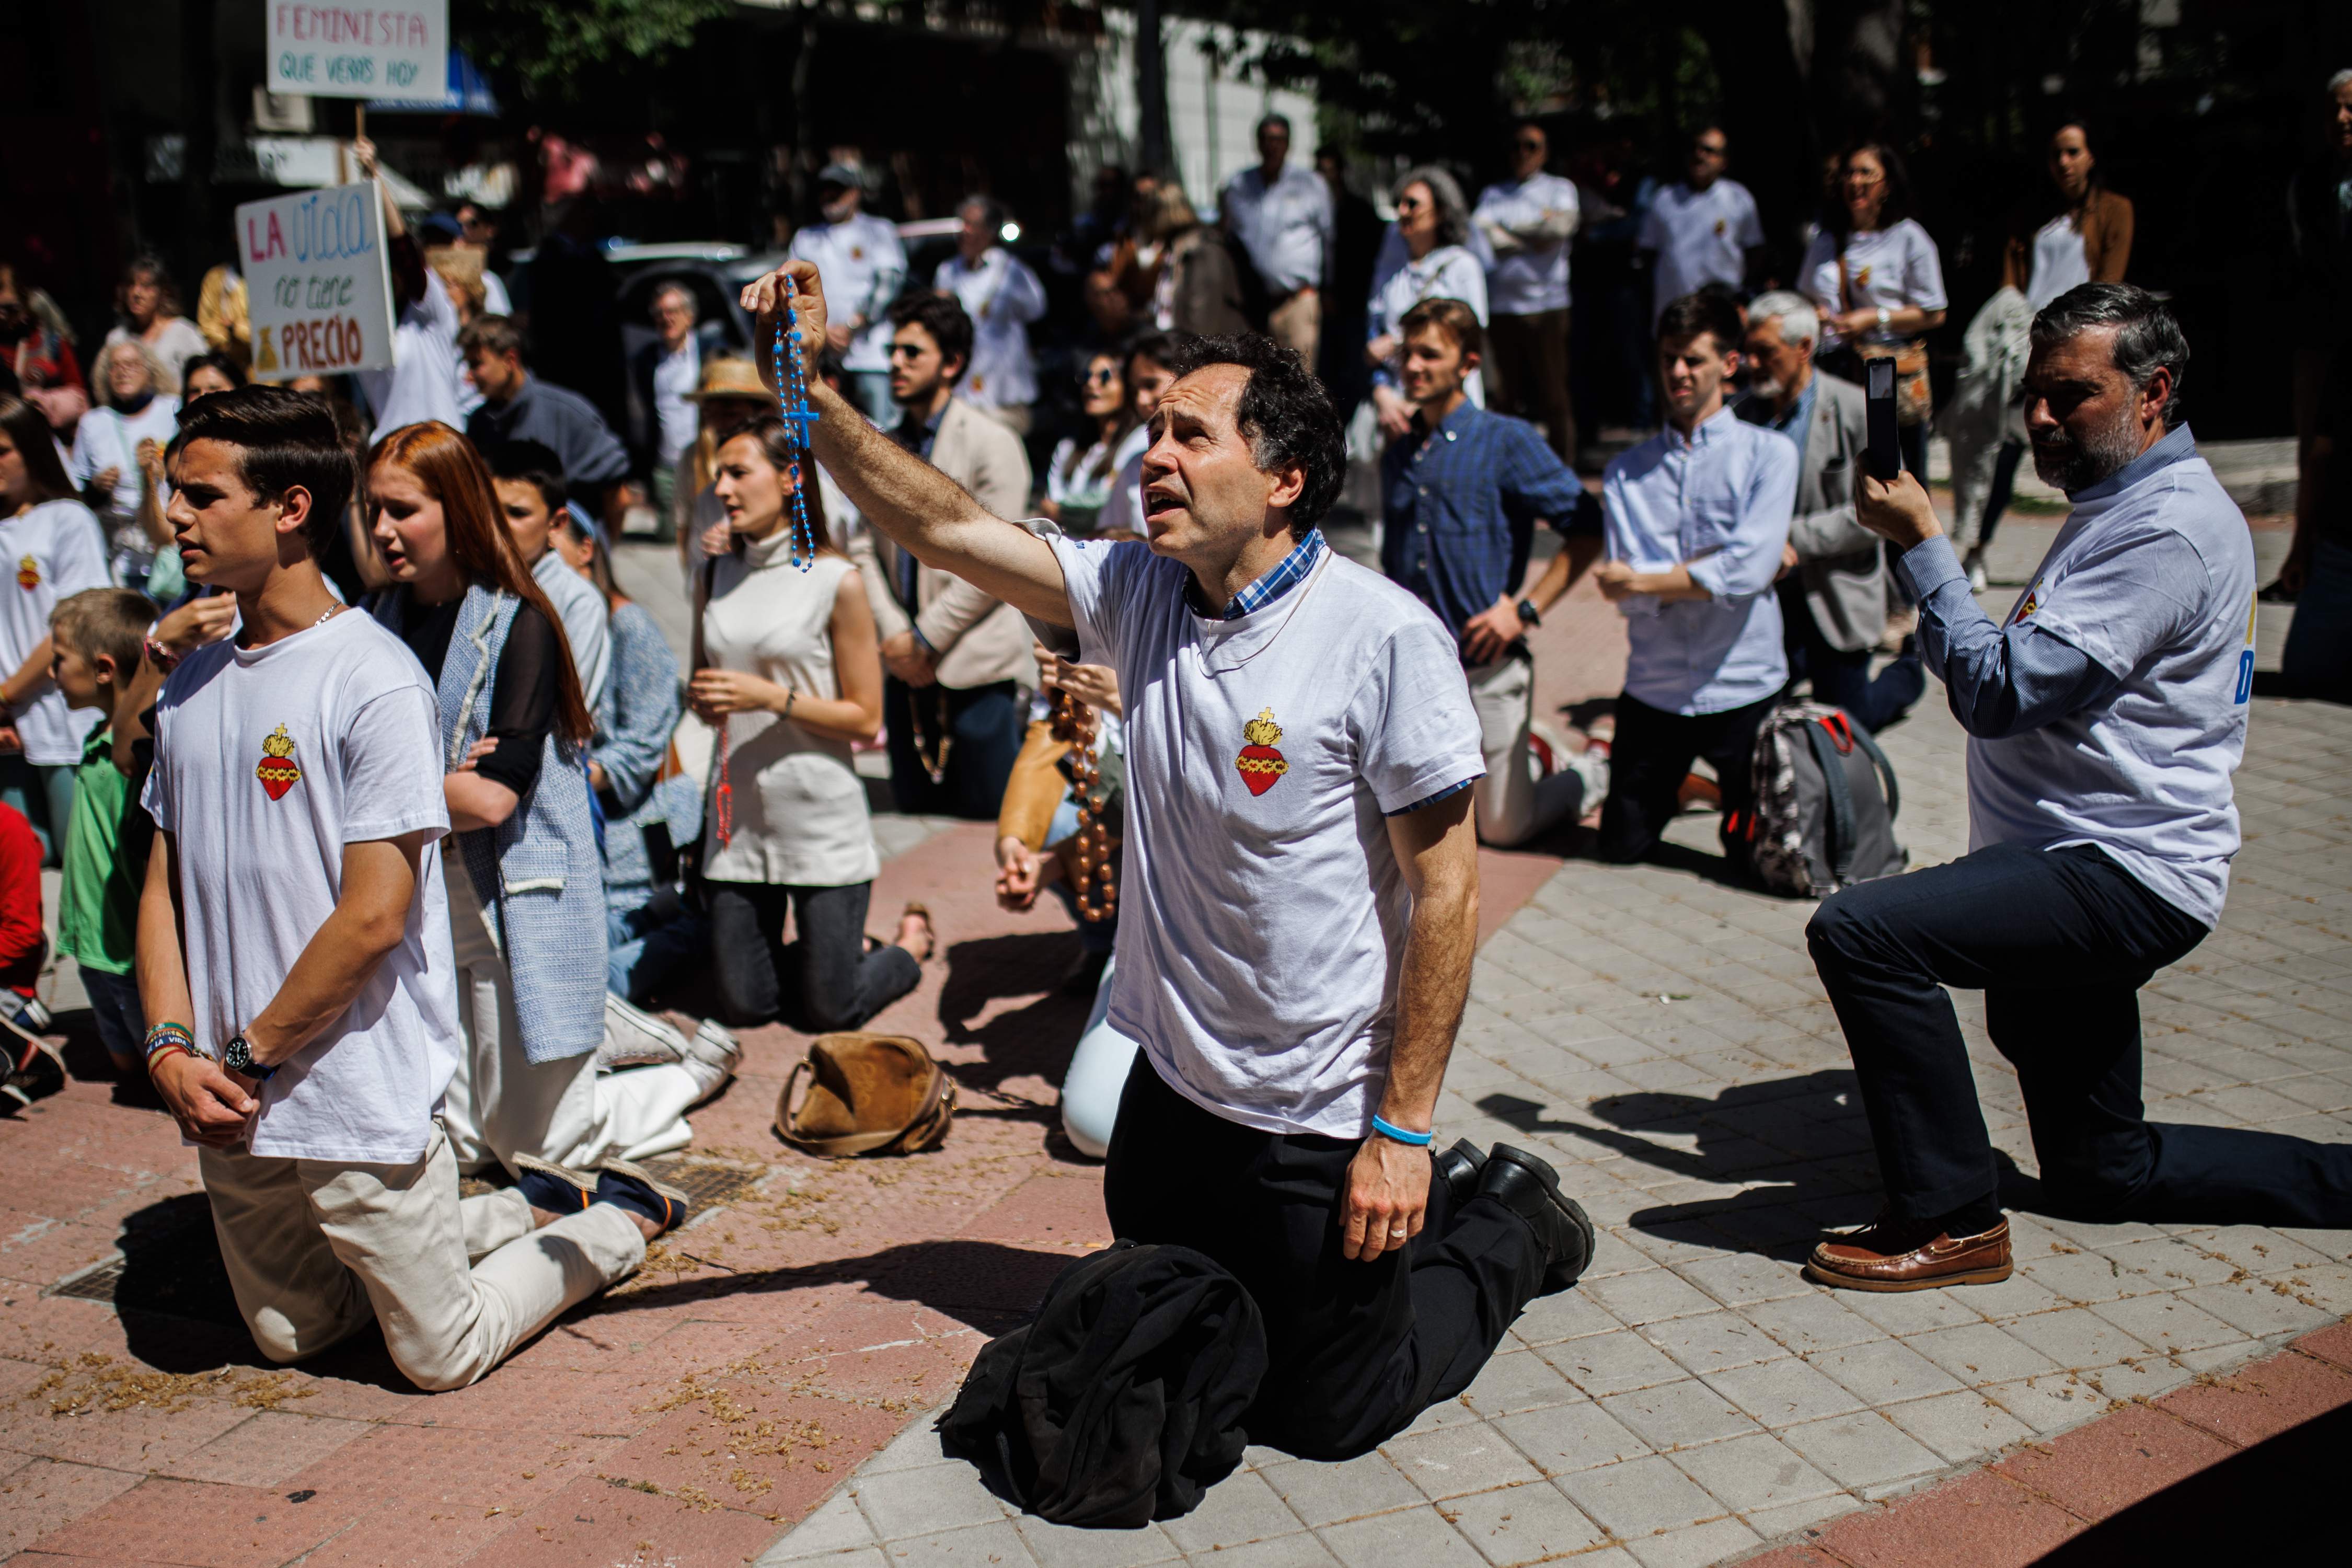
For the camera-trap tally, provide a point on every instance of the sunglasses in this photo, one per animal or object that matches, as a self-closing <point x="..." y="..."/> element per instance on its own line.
<point x="906" y="351"/>
<point x="1702" y="150"/>
<point x="1531" y="144"/>
<point x="1409" y="203"/>
<point x="1103" y="377"/>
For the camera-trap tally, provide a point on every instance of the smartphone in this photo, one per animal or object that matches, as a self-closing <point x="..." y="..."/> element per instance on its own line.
<point x="1884" y="455"/>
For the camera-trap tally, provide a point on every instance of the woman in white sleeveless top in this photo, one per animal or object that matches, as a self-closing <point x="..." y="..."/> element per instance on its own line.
<point x="788" y="668"/>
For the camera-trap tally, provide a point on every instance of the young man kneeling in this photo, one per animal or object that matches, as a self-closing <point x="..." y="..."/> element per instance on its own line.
<point x="294" y="956"/>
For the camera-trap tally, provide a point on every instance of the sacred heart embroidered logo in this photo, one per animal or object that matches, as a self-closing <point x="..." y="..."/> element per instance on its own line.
<point x="1259" y="763"/>
<point x="277" y="770"/>
<point x="28" y="573"/>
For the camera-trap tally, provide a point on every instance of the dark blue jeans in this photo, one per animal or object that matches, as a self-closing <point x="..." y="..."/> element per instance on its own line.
<point x="1842" y="679"/>
<point x="2060" y="942"/>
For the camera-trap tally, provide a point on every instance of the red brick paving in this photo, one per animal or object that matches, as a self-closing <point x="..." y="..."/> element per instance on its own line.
<point x="2038" y="1497"/>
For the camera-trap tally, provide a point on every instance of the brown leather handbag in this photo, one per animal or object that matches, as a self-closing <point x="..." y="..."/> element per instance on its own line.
<point x="868" y="1094"/>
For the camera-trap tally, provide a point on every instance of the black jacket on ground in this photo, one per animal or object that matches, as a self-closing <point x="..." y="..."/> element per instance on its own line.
<point x="1119" y="1402"/>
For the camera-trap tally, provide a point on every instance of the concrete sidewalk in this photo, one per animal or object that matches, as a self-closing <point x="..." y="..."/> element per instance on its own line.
<point x="1661" y="1036"/>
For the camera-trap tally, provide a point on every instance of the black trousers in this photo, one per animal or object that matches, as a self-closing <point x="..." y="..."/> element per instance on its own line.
<point x="824" y="979"/>
<point x="1651" y="757"/>
<point x="1357" y="1350"/>
<point x="2060" y="942"/>
<point x="1842" y="678"/>
<point x="984" y="727"/>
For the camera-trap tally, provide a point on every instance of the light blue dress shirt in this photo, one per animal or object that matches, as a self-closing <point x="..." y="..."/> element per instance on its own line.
<point x="1717" y="502"/>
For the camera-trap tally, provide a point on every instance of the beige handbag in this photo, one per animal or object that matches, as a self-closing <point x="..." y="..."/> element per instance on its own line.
<point x="868" y="1094"/>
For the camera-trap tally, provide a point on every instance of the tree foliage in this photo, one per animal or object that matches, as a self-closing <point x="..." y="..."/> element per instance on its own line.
<point x="545" y="45"/>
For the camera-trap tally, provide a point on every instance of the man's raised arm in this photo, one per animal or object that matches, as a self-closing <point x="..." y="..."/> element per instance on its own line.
<point x="920" y="507"/>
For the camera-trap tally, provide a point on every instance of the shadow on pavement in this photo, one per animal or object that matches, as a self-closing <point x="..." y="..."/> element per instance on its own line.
<point x="2267" y="1495"/>
<point x="1033" y="1040"/>
<point x="986" y="1284"/>
<point x="1799" y="1149"/>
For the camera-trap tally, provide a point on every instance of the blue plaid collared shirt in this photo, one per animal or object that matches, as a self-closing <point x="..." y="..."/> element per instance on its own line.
<point x="1287" y="573"/>
<point x="1290" y="571"/>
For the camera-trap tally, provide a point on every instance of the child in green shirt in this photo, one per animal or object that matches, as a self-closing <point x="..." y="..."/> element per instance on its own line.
<point x="99" y="638"/>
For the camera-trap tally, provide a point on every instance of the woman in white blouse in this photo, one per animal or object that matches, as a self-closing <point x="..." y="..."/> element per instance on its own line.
<point x="1080" y="480"/>
<point x="1433" y="222"/>
<point x="1873" y="274"/>
<point x="789" y="670"/>
<point x="136" y="407"/>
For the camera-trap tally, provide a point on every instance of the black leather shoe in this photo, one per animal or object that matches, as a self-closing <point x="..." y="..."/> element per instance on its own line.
<point x="1530" y="1189"/>
<point x="1458" y="1168"/>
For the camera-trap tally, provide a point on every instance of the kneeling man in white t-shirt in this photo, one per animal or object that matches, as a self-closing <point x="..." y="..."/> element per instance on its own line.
<point x="294" y="951"/>
<point x="2106" y="716"/>
<point x="1299" y="897"/>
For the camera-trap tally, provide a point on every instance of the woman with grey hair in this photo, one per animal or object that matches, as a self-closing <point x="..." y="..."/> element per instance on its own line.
<point x="1434" y="223"/>
<point x="137" y="405"/>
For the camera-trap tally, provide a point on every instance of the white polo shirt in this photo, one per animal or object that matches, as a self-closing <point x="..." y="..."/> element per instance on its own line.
<point x="1284" y="226"/>
<point x="1261" y="914"/>
<point x="1002" y="296"/>
<point x="2153" y="578"/>
<point x="1700" y="238"/>
<point x="1534" y="277"/>
<point x="48" y="554"/>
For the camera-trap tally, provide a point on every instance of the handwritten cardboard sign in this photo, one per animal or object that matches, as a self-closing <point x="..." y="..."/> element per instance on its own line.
<point x="398" y="50"/>
<point x="317" y="282"/>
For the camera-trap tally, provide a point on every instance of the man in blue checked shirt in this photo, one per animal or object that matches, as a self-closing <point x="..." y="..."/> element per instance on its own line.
<point x="1696" y="518"/>
<point x="1463" y="489"/>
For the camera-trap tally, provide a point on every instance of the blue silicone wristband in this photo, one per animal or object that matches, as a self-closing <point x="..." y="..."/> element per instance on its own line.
<point x="1418" y="1140"/>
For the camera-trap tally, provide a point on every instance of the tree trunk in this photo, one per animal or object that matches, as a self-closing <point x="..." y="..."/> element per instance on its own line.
<point x="1152" y="152"/>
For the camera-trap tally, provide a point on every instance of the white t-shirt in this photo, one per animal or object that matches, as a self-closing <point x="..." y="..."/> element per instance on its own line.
<point x="1001" y="297"/>
<point x="2156" y="584"/>
<point x="675" y="375"/>
<point x="1261" y="914"/>
<point x="1894" y="267"/>
<point x="1534" y="277"/>
<point x="426" y="378"/>
<point x="2059" y="261"/>
<point x="587" y="621"/>
<point x="1124" y="510"/>
<point x="268" y="762"/>
<point x="109" y="438"/>
<point x="50" y="554"/>
<point x="1700" y="238"/>
<point x="1448" y="272"/>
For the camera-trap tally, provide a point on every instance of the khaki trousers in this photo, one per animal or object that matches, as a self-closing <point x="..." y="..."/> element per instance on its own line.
<point x="1511" y="804"/>
<point x="1526" y="374"/>
<point x="1297" y="323"/>
<point x="317" y="1247"/>
<point x="501" y="1103"/>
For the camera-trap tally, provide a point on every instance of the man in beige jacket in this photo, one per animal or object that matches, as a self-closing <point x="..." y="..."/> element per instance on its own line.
<point x="956" y="659"/>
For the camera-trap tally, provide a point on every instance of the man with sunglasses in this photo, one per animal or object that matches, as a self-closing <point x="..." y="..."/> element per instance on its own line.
<point x="1528" y="220"/>
<point x="1702" y="231"/>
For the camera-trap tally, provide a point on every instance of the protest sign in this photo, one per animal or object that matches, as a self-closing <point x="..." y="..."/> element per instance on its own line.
<point x="398" y="50"/>
<point x="317" y="282"/>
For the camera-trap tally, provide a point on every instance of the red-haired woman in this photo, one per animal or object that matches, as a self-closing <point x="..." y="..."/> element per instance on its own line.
<point x="525" y="882"/>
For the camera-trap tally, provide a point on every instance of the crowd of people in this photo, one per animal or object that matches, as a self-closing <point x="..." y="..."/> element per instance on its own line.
<point x="364" y="773"/>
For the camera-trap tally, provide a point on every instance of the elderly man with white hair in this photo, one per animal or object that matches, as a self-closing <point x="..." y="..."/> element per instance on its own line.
<point x="1833" y="589"/>
<point x="1002" y="296"/>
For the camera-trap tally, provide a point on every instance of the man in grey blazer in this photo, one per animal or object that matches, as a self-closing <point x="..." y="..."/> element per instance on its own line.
<point x="1833" y="591"/>
<point x="958" y="661"/>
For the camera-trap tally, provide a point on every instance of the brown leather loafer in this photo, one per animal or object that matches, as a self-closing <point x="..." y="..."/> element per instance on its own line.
<point x="1888" y="1256"/>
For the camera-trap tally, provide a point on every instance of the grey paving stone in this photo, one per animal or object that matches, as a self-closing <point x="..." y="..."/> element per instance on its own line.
<point x="1755" y="1472"/>
<point x="1301" y="1551"/>
<point x="1675" y="1413"/>
<point x="1641" y="1496"/>
<point x="1861" y="1451"/>
<point x="1564" y="1315"/>
<point x="917" y="1501"/>
<point x="1914" y="1312"/>
<point x="1242" y="1507"/>
<point x="1611" y="1363"/>
<point x="1883" y="1371"/>
<point x="1783" y="1393"/>
<point x="1694" y="1547"/>
<point x="997" y="1545"/>
<point x="1979" y="1354"/>
<point x="1418" y="1537"/>
<point x="1568" y="1437"/>
<point x="1774" y="1522"/>
<point x="2076" y="1337"/>
<point x="1459" y="1459"/>
<point x="1958" y="1426"/>
<point x="1742" y="1278"/>
<point x="2256" y="1309"/>
<point x="1713" y="1341"/>
<point x="857" y="1557"/>
<point x="836" y="1526"/>
<point x="1818" y="1320"/>
<point x="1519" y="1380"/>
<point x="1068" y="1546"/>
<point x="1330" y="1494"/>
<point x="2049" y="1404"/>
<point x="1648" y="1297"/>
<point x="1513" y="1525"/>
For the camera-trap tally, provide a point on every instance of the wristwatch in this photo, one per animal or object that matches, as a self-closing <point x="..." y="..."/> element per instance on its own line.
<point x="1529" y="613"/>
<point x="1885" y="316"/>
<point x="237" y="1056"/>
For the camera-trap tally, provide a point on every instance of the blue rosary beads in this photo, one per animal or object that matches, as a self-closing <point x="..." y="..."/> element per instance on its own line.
<point x="791" y="392"/>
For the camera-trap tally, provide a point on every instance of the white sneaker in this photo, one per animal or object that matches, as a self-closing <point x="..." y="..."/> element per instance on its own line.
<point x="712" y="1056"/>
<point x="1974" y="567"/>
<point x="634" y="1038"/>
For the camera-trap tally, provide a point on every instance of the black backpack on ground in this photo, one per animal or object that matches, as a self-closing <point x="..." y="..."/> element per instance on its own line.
<point x="1120" y="1401"/>
<point x="1825" y="803"/>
